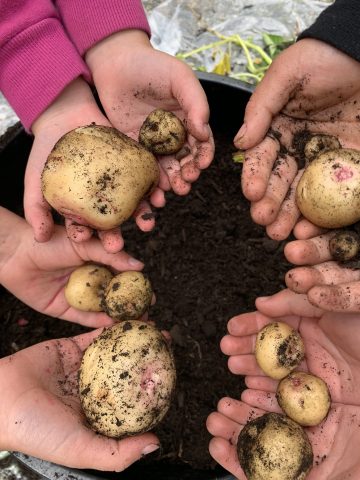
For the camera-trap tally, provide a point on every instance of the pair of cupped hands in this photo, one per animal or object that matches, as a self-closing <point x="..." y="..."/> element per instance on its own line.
<point x="308" y="84"/>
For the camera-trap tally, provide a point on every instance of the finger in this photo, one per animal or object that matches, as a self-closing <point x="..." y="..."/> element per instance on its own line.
<point x="302" y="279"/>
<point x="288" y="214"/>
<point x="247" y="324"/>
<point x="310" y="252"/>
<point x="84" y="340"/>
<point x="157" y="198"/>
<point x="257" y="168"/>
<point x="289" y="305"/>
<point x="226" y="456"/>
<point x="244" y="365"/>
<point x="167" y="336"/>
<point x="265" y="211"/>
<point x="77" y="233"/>
<point x="112" y="240"/>
<point x="261" y="399"/>
<point x="266" y="384"/>
<point x="164" y="182"/>
<point x="304" y="230"/>
<point x="201" y="156"/>
<point x="231" y="345"/>
<point x="172" y="169"/>
<point x="141" y="216"/>
<point x="87" y="319"/>
<point x="343" y="298"/>
<point x="221" y="426"/>
<point x="40" y="218"/>
<point x="188" y="91"/>
<point x="238" y="411"/>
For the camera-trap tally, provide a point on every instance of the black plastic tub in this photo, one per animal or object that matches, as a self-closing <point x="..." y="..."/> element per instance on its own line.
<point x="227" y="99"/>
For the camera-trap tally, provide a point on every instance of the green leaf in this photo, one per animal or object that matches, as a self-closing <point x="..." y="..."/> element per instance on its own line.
<point x="272" y="39"/>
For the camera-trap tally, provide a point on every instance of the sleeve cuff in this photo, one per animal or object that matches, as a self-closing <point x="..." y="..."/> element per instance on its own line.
<point x="89" y="22"/>
<point x="36" y="65"/>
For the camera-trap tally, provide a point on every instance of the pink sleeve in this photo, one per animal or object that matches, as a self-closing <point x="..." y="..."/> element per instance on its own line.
<point x="37" y="59"/>
<point x="90" y="21"/>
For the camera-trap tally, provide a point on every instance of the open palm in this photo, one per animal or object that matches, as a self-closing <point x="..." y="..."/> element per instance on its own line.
<point x="331" y="353"/>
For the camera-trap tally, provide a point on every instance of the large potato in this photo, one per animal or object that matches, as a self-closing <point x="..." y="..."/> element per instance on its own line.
<point x="85" y="287"/>
<point x="127" y="379"/>
<point x="127" y="296"/>
<point x="279" y="349"/>
<point x="162" y="133"/>
<point x="305" y="398"/>
<point x="274" y="447"/>
<point x="328" y="193"/>
<point x="97" y="176"/>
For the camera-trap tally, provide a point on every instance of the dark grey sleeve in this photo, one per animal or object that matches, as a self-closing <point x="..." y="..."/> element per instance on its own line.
<point x="338" y="26"/>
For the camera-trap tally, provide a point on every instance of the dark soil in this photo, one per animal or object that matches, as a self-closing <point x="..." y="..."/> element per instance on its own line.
<point x="207" y="262"/>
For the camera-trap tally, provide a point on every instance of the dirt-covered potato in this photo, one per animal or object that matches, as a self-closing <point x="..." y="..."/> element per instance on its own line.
<point x="274" y="447"/>
<point x="127" y="379"/>
<point x="279" y="349"/>
<point x="305" y="398"/>
<point x="85" y="287"/>
<point x="162" y="133"/>
<point x="328" y="193"/>
<point x="344" y="246"/>
<point x="97" y="176"/>
<point x="320" y="143"/>
<point x="127" y="296"/>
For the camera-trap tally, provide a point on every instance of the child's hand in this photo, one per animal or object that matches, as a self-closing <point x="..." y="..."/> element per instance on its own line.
<point x="332" y="353"/>
<point x="37" y="272"/>
<point x="133" y="79"/>
<point x="41" y="414"/>
<point x="313" y="86"/>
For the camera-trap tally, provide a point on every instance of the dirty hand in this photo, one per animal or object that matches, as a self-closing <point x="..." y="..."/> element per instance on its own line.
<point x="73" y="108"/>
<point x="327" y="284"/>
<point x="332" y="353"/>
<point x="41" y="414"/>
<point x="312" y="86"/>
<point x="133" y="79"/>
<point x="37" y="272"/>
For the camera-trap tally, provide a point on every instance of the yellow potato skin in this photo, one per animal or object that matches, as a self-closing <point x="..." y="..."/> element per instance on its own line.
<point x="128" y="296"/>
<point x="127" y="379"/>
<point x="279" y="349"/>
<point x="305" y="398"/>
<point x="85" y="287"/>
<point x="96" y="176"/>
<point x="274" y="447"/>
<point x="328" y="193"/>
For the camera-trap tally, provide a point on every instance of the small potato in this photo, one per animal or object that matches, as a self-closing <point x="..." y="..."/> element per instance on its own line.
<point x="320" y="143"/>
<point x="305" y="398"/>
<point x="279" y="349"/>
<point x="97" y="176"/>
<point x="328" y="193"/>
<point x="162" y="133"/>
<point x="344" y="246"/>
<point x="127" y="379"/>
<point x="274" y="447"/>
<point x="127" y="296"/>
<point x="85" y="287"/>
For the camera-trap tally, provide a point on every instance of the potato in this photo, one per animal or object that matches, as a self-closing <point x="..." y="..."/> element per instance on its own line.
<point x="162" y="133"/>
<point x="85" y="287"/>
<point x="305" y="398"/>
<point x="96" y="176"/>
<point x="127" y="379"/>
<point x="328" y="193"/>
<point x="127" y="296"/>
<point x="344" y="246"/>
<point x="320" y="143"/>
<point x="274" y="447"/>
<point x="279" y="349"/>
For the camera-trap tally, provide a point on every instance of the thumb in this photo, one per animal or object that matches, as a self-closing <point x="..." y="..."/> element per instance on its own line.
<point x="188" y="91"/>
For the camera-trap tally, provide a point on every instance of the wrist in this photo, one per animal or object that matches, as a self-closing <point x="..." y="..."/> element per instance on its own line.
<point x="11" y="234"/>
<point x="111" y="47"/>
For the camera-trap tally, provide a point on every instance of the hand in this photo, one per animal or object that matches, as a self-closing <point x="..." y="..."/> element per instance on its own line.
<point x="327" y="284"/>
<point x="332" y="353"/>
<point x="41" y="414"/>
<point x="313" y="86"/>
<point x="133" y="79"/>
<point x="37" y="272"/>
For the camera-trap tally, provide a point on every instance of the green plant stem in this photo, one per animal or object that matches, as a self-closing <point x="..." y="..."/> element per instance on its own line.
<point x="260" y="51"/>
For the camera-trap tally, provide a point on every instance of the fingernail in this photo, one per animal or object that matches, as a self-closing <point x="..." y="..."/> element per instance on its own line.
<point x="239" y="139"/>
<point x="149" y="449"/>
<point x="207" y="129"/>
<point x="135" y="263"/>
<point x="262" y="299"/>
